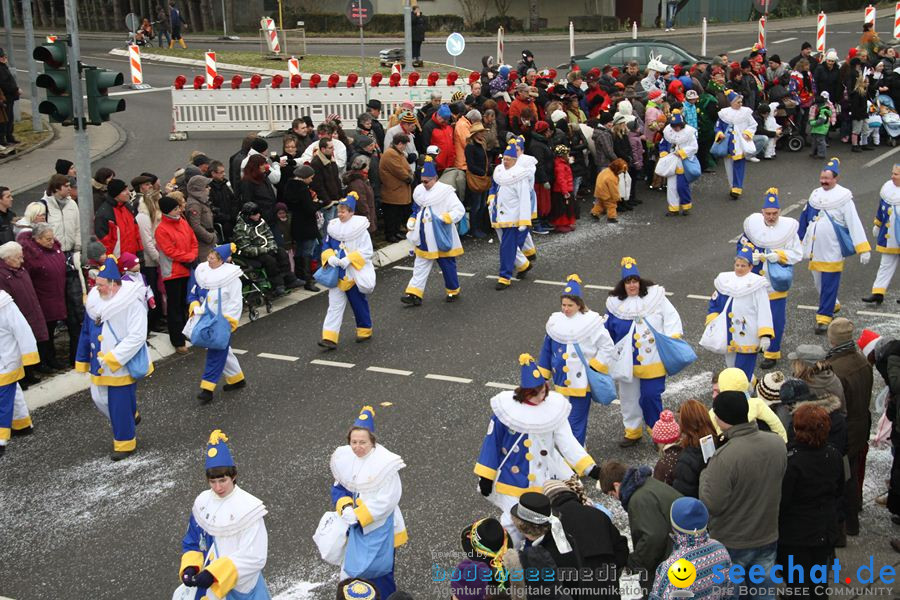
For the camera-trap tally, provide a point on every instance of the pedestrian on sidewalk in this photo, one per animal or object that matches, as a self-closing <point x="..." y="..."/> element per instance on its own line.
<point x="163" y="27"/>
<point x="114" y="223"/>
<point x="46" y="265"/>
<point x="18" y="349"/>
<point x="10" y="90"/>
<point x="419" y="27"/>
<point x="15" y="281"/>
<point x="177" y="22"/>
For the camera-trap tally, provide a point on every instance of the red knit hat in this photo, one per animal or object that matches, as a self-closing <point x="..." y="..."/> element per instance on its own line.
<point x="867" y="340"/>
<point x="541" y="126"/>
<point x="852" y="53"/>
<point x="666" y="429"/>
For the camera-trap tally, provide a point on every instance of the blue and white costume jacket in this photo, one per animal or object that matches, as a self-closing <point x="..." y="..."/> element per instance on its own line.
<point x="683" y="143"/>
<point x="888" y="239"/>
<point x="526" y="445"/>
<point x="99" y="352"/>
<point x="629" y="322"/>
<point x="558" y="358"/>
<point x="511" y="206"/>
<point x="820" y="242"/>
<point x="782" y="239"/>
<point x="227" y="537"/>
<point x="371" y="486"/>
<point x="203" y="294"/>
<point x="430" y="208"/>
<point x="18" y="348"/>
<point x="743" y="126"/>
<point x="739" y="314"/>
<point x="351" y="240"/>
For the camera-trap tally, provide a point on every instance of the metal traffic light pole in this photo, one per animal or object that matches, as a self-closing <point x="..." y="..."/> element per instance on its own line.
<point x="28" y="22"/>
<point x="82" y="144"/>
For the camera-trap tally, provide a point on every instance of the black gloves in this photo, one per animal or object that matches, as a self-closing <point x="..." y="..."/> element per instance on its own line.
<point x="412" y="158"/>
<point x="594" y="472"/>
<point x="204" y="579"/>
<point x="187" y="578"/>
<point x="485" y="485"/>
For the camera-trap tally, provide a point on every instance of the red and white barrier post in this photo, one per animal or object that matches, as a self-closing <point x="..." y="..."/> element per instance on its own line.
<point x="211" y="70"/>
<point x="271" y="35"/>
<point x="50" y="39"/>
<point x="761" y="38"/>
<point x="137" y="71"/>
<point x="821" y="24"/>
<point x="870" y="16"/>
<point x="500" y="46"/>
<point x="897" y="21"/>
<point x="293" y="66"/>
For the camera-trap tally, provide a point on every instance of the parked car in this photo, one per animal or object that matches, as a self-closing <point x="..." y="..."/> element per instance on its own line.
<point x="619" y="53"/>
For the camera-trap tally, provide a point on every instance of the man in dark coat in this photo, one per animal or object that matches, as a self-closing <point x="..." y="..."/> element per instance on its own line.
<point x="7" y="216"/>
<point x="374" y="109"/>
<point x="326" y="182"/>
<point x="235" y="160"/>
<point x="419" y="26"/>
<point x="223" y="200"/>
<point x="11" y="92"/>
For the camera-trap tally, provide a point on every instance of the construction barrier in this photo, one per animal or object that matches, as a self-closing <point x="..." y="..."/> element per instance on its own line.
<point x="273" y="109"/>
<point x="137" y="73"/>
<point x="821" y="24"/>
<point x="50" y="39"/>
<point x="268" y="25"/>
<point x="870" y="16"/>
<point x="211" y="69"/>
<point x="761" y="38"/>
<point x="293" y="66"/>
<point x="897" y="21"/>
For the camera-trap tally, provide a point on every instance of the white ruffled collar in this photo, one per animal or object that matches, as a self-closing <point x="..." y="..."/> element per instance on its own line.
<point x="890" y="193"/>
<point x="633" y="307"/>
<point x="763" y="236"/>
<point x="573" y="330"/>
<point x="213" y="279"/>
<point x="729" y="284"/>
<point x="836" y="197"/>
<point x="229" y="515"/>
<point x="353" y="228"/>
<point x="98" y="308"/>
<point x="731" y="116"/>
<point x="364" y="474"/>
<point x="440" y="192"/>
<point x="504" y="176"/>
<point x="519" y="417"/>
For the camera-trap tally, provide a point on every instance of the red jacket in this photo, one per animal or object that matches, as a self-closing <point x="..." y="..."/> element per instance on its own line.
<point x="116" y="229"/>
<point x="177" y="247"/>
<point x="442" y="137"/>
<point x="563" y="182"/>
<point x="598" y="101"/>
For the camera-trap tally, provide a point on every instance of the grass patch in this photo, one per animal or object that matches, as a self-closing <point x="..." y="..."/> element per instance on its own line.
<point x="311" y="63"/>
<point x="28" y="138"/>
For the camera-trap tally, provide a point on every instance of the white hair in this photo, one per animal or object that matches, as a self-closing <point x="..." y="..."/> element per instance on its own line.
<point x="33" y="210"/>
<point x="39" y="229"/>
<point x="10" y="249"/>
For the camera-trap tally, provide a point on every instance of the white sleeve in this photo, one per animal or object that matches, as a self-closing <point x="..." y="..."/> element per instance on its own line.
<point x="524" y="193"/>
<point x="21" y="331"/>
<point x="146" y="228"/>
<point x="574" y="453"/>
<point x="793" y="250"/>
<point x="672" y="326"/>
<point x="763" y="311"/>
<point x="232" y="301"/>
<point x="307" y="155"/>
<point x="136" y="337"/>
<point x="274" y="173"/>
<point x="857" y="231"/>
<point x="253" y="549"/>
<point x="381" y="503"/>
<point x="340" y="156"/>
<point x="602" y="342"/>
<point x="689" y="145"/>
<point x="364" y="246"/>
<point x="457" y="211"/>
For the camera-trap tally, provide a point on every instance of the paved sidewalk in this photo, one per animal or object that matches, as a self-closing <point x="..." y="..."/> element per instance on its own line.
<point x="35" y="167"/>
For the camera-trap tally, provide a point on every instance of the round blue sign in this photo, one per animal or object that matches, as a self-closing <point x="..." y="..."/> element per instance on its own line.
<point x="456" y="43"/>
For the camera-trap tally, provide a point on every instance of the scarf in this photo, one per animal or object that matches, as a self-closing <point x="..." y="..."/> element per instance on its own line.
<point x="634" y="478"/>
<point x="841" y="348"/>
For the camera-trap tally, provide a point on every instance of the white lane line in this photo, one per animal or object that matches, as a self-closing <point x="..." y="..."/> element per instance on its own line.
<point x="448" y="378"/>
<point x="399" y="268"/>
<point x="389" y="371"/>
<point x="546" y="282"/>
<point x="497" y="277"/>
<point x="783" y="41"/>
<point x="332" y="363"/>
<point x="461" y="274"/>
<point x="236" y="351"/>
<point x="499" y="386"/>
<point x="869" y="313"/>
<point x="740" y="50"/>
<point x="698" y="297"/>
<point x="148" y="91"/>
<point x="278" y="356"/>
<point x="599" y="287"/>
<point x="878" y="159"/>
<point x="807" y="307"/>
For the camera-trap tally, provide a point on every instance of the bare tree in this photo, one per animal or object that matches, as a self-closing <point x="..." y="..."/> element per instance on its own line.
<point x="474" y="12"/>
<point x="118" y="15"/>
<point x="503" y="7"/>
<point x="305" y="6"/>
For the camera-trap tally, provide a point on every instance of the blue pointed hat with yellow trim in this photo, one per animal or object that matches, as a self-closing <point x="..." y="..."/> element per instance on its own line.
<point x="573" y="286"/>
<point x="511" y="151"/>
<point x="110" y="269"/>
<point x="366" y="419"/>
<point x="771" y="200"/>
<point x="225" y="251"/>
<point x="746" y="252"/>
<point x="677" y="118"/>
<point x="359" y="590"/>
<point x="350" y="201"/>
<point x="428" y="168"/>
<point x="217" y="452"/>
<point x="531" y="376"/>
<point x="629" y="268"/>
<point x="731" y="96"/>
<point x="520" y="142"/>
<point x="833" y="165"/>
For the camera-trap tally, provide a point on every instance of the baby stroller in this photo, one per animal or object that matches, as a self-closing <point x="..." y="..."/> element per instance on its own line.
<point x="890" y="120"/>
<point x="257" y="289"/>
<point x="791" y="134"/>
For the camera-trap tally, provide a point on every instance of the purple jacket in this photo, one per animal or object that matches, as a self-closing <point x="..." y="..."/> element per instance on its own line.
<point x="17" y="284"/>
<point x="47" y="269"/>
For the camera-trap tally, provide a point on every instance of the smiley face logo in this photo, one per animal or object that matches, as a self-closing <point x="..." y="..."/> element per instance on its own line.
<point x="682" y="573"/>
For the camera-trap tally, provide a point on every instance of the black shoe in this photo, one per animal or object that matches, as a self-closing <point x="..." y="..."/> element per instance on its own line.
<point x="866" y="148"/>
<point x="311" y="285"/>
<point x="624" y="207"/>
<point x="118" y="455"/>
<point x="11" y="141"/>
<point x="23" y="432"/>
<point x="874" y="298"/>
<point x="280" y="291"/>
<point x="3" y="450"/>
<point x="411" y="300"/>
<point x="855" y="149"/>
<point x="767" y="363"/>
<point x="635" y="202"/>
<point x="821" y="329"/>
<point x="159" y="328"/>
<point x="363" y="340"/>
<point x="294" y="284"/>
<point x="500" y="286"/>
<point x="137" y="419"/>
<point x="230" y="387"/>
<point x="708" y="170"/>
<point x="452" y="297"/>
<point x="327" y="344"/>
<point x="46" y="369"/>
<point x="522" y="274"/>
<point x="627" y="442"/>
<point x="533" y="260"/>
<point x="611" y="220"/>
<point x="734" y="196"/>
<point x="895" y="543"/>
<point x="686" y="213"/>
<point x="898" y="302"/>
<point x="205" y="397"/>
<point x="670" y="213"/>
<point x="895" y="519"/>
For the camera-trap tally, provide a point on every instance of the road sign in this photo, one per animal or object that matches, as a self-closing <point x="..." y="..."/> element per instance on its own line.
<point x="132" y="22"/>
<point x="456" y="43"/>
<point x="360" y="12"/>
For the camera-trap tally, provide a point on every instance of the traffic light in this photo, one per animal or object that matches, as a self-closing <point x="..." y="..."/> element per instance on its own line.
<point x="100" y="105"/>
<point x="55" y="79"/>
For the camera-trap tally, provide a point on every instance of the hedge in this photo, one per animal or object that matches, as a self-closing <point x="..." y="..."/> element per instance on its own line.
<point x="393" y="23"/>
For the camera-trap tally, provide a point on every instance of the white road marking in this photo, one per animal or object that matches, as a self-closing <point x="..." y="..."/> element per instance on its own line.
<point x="400" y="268"/>
<point x="496" y="277"/>
<point x="332" y="363"/>
<point x="389" y="371"/>
<point x="878" y="159"/>
<point x="546" y="282"/>
<point x="698" y="297"/>
<point x="499" y="386"/>
<point x="278" y="357"/>
<point x="616" y="401"/>
<point x="740" y="50"/>
<point x="448" y="378"/>
<point x="149" y="91"/>
<point x="599" y="287"/>
<point x="461" y="274"/>
<point x="236" y="351"/>
<point x="869" y="313"/>
<point x="783" y="41"/>
<point x="807" y="307"/>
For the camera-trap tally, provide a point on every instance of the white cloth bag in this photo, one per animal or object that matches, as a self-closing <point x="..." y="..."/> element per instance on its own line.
<point x="331" y="538"/>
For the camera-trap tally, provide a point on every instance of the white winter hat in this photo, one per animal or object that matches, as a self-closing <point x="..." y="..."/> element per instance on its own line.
<point x="832" y="55"/>
<point x="557" y="115"/>
<point x="625" y="107"/>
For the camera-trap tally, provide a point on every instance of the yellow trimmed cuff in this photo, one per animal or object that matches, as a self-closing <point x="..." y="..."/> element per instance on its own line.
<point x="782" y="256"/>
<point x="824" y="319"/>
<point x="192" y="307"/>
<point x="634" y="434"/>
<point x="363" y="332"/>
<point x="765" y="331"/>
<point x="598" y="366"/>
<point x="82" y="367"/>
<point x="326" y="254"/>
<point x="124" y="446"/>
<point x="191" y="558"/>
<point x="400" y="538"/>
<point x="23" y="423"/>
<point x="226" y="575"/>
<point x="31" y="358"/>
<point x="331" y="336"/>
<point x="356" y="259"/>
<point x="584" y="465"/>
<point x="681" y="154"/>
<point x="209" y="386"/>
<point x="863" y="247"/>
<point x="362" y="513"/>
<point x="486" y="472"/>
<point x="414" y="291"/>
<point x="342" y="503"/>
<point x="12" y="376"/>
<point x="110" y="359"/>
<point x="881" y="291"/>
<point x="772" y="355"/>
<point x="232" y="321"/>
<point x="234" y="378"/>
<point x="710" y="317"/>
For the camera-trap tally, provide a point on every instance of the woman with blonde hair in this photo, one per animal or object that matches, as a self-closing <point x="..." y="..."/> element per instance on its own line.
<point x="35" y="212"/>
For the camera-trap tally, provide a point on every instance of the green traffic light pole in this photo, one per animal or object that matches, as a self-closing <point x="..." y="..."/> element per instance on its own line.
<point x="27" y="20"/>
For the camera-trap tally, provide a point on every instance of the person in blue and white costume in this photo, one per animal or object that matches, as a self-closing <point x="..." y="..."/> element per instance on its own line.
<point x="113" y="332"/>
<point x="739" y="318"/>
<point x="18" y="348"/>
<point x="886" y="232"/>
<point x="366" y="493"/>
<point x="512" y="213"/>
<point x="575" y="324"/>
<point x="828" y="206"/>
<point x="226" y="544"/>
<point x="773" y="239"/>
<point x="527" y="254"/>
<point x="737" y="123"/>
<point x="433" y="201"/>
<point x="348" y="248"/>
<point x="680" y="138"/>
<point x="633" y="306"/>
<point x="528" y="441"/>
<point x="216" y="285"/>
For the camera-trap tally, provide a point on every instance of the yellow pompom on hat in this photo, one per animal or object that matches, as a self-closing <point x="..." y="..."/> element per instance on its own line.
<point x="629" y="268"/>
<point x="218" y="454"/>
<point x="573" y="286"/>
<point x="531" y="375"/>
<point x="366" y="418"/>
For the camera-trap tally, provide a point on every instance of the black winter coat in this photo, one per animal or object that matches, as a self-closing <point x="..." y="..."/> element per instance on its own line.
<point x="539" y="148"/>
<point x="829" y="80"/>
<point x="263" y="194"/>
<point x="8" y="84"/>
<point x="419" y="27"/>
<point x="812" y="487"/>
<point x="7" y="233"/>
<point x="303" y="210"/>
<point x="225" y="206"/>
<point x="579" y="150"/>
<point x="888" y="367"/>
<point x="234" y="166"/>
<point x="687" y="472"/>
<point x="476" y="158"/>
<point x="622" y="148"/>
<point x="326" y="182"/>
<point x="837" y="435"/>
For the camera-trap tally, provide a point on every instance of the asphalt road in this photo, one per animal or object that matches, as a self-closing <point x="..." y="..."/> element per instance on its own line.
<point x="77" y="526"/>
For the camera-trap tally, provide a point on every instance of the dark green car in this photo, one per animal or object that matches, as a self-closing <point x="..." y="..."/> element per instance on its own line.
<point x="619" y="53"/>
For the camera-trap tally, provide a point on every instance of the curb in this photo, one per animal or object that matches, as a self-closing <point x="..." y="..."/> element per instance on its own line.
<point x="28" y="151"/>
<point x="71" y="382"/>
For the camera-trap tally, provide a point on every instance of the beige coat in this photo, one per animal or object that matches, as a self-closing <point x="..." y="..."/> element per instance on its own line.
<point x="395" y="178"/>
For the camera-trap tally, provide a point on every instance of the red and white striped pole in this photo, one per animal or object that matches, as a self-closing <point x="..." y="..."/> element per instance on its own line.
<point x="870" y="16"/>
<point x="211" y="71"/>
<point x="137" y="73"/>
<point x="762" y="32"/>
<point x="500" y="45"/>
<point x="51" y="39"/>
<point x="293" y="66"/>
<point x="897" y="21"/>
<point x="821" y="24"/>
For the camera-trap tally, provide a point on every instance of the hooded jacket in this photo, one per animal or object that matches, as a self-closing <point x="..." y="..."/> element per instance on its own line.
<point x="856" y="377"/>
<point x="812" y="488"/>
<point x="177" y="246"/>
<point x="65" y="221"/>
<point x="17" y="283"/>
<point x="648" y="502"/>
<point x="116" y="229"/>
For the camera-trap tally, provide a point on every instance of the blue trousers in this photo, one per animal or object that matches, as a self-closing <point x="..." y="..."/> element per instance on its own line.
<point x="735" y="171"/>
<point x="13" y="411"/>
<point x="421" y="269"/>
<point x="763" y="556"/>
<point x="219" y="362"/>
<point x="827" y="284"/>
<point x="510" y="241"/>
<point x="385" y="584"/>
<point x="578" y="418"/>
<point x="778" y="307"/>
<point x="122" y="409"/>
<point x="337" y="302"/>
<point x="744" y="361"/>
